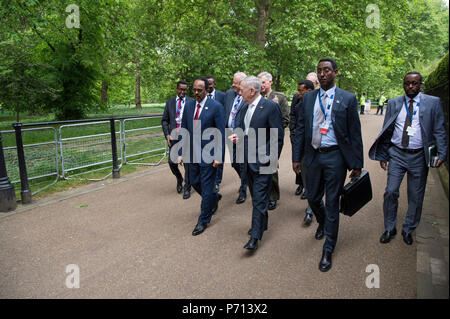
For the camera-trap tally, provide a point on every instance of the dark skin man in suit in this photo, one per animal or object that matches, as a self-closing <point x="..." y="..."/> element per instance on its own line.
<point x="328" y="137"/>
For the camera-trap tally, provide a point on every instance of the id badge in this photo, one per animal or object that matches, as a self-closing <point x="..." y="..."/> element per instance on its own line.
<point x="324" y="128"/>
<point x="411" y="131"/>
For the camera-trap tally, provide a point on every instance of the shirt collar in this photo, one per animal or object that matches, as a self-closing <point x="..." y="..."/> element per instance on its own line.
<point x="202" y="103"/>
<point x="329" y="92"/>
<point x="256" y="101"/>
<point x="178" y="98"/>
<point x="415" y="99"/>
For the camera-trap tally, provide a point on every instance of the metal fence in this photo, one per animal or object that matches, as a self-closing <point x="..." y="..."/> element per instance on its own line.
<point x="80" y="147"/>
<point x="42" y="157"/>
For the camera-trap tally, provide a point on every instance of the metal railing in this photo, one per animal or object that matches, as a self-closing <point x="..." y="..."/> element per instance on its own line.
<point x="68" y="154"/>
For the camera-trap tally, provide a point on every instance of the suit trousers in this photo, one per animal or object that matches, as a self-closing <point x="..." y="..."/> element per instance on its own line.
<point x="174" y="167"/>
<point x="326" y="175"/>
<point x="300" y="178"/>
<point x="259" y="185"/>
<point x="415" y="166"/>
<point x="275" y="189"/>
<point x="240" y="170"/>
<point x="202" y="178"/>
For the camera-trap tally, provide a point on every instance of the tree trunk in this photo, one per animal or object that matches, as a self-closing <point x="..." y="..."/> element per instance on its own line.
<point x="104" y="92"/>
<point x="137" y="99"/>
<point x="263" y="9"/>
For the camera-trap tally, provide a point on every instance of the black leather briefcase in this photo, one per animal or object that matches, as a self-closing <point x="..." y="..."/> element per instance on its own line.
<point x="356" y="194"/>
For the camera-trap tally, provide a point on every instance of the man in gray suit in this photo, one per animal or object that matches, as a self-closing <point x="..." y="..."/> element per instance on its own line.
<point x="328" y="136"/>
<point x="411" y="123"/>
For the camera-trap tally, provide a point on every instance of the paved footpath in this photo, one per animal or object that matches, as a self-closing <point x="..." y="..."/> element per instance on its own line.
<point x="131" y="238"/>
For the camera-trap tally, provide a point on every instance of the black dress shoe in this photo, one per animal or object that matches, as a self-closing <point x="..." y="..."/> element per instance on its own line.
<point x="179" y="186"/>
<point x="303" y="195"/>
<point x="216" y="204"/>
<point x="407" y="238"/>
<point x="241" y="198"/>
<point x="272" y="204"/>
<point x="387" y="236"/>
<point x="319" y="232"/>
<point x="299" y="190"/>
<point x="186" y="194"/>
<point x="252" y="244"/>
<point x="325" y="261"/>
<point x="308" y="217"/>
<point x="199" y="228"/>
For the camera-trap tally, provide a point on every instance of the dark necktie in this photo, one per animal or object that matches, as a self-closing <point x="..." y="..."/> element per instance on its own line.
<point x="405" y="136"/>
<point x="210" y="95"/>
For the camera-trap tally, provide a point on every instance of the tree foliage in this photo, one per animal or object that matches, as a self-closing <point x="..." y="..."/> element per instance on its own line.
<point x="135" y="51"/>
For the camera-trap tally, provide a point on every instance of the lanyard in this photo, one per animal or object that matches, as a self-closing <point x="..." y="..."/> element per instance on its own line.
<point x="328" y="106"/>
<point x="415" y="110"/>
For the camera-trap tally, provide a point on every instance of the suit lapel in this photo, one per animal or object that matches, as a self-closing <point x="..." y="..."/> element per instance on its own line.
<point x="337" y="102"/>
<point x="310" y="110"/>
<point x="258" y="109"/>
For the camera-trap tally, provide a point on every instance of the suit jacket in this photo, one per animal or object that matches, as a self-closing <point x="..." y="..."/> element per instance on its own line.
<point x="346" y="125"/>
<point x="219" y="96"/>
<point x="210" y="117"/>
<point x="267" y="115"/>
<point x="228" y="104"/>
<point x="168" y="121"/>
<point x="293" y="114"/>
<point x="432" y="127"/>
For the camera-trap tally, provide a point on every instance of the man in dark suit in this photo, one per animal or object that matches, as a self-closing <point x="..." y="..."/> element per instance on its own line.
<point x="233" y="103"/>
<point x="280" y="98"/>
<point x="328" y="137"/>
<point x="171" y="120"/>
<point x="411" y="123"/>
<point x="303" y="88"/>
<point x="212" y="93"/>
<point x="259" y="119"/>
<point x="219" y="96"/>
<point x="204" y="121"/>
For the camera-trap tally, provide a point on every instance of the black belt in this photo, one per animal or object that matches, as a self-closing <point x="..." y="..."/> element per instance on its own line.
<point x="327" y="149"/>
<point x="409" y="151"/>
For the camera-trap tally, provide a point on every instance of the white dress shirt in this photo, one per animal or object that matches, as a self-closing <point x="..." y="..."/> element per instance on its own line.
<point x="415" y="141"/>
<point x="249" y="114"/>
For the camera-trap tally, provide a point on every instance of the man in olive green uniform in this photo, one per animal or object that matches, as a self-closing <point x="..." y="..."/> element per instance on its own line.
<point x="280" y="98"/>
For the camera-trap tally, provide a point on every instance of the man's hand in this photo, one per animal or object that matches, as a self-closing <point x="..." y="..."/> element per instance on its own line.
<point x="233" y="137"/>
<point x="356" y="172"/>
<point x="168" y="140"/>
<point x="383" y="165"/>
<point x="296" y="167"/>
<point x="180" y="160"/>
<point x="438" y="163"/>
<point x="216" y="164"/>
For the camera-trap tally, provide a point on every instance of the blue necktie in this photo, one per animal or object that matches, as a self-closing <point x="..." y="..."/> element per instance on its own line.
<point x="235" y="110"/>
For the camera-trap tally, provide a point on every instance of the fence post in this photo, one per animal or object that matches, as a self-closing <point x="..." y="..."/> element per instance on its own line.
<point x="25" y="193"/>
<point x="116" y="170"/>
<point x="7" y="192"/>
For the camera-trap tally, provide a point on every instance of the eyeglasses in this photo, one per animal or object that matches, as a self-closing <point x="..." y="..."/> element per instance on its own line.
<point x="197" y="90"/>
<point x="411" y="83"/>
